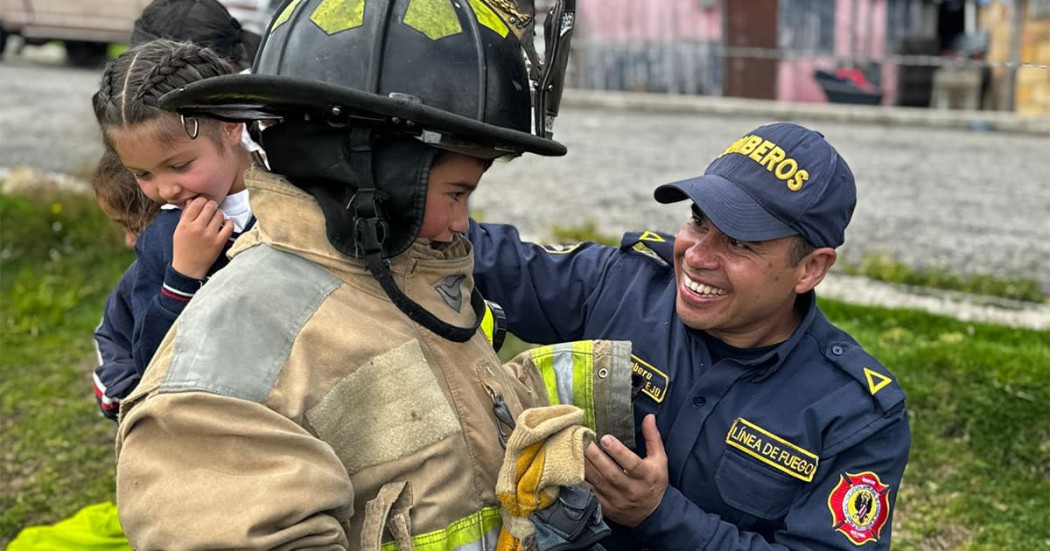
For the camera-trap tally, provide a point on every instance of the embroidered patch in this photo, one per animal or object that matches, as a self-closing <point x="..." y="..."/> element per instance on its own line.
<point x="876" y="381"/>
<point x="772" y="450"/>
<point x="654" y="381"/>
<point x="450" y="290"/>
<point x="643" y="249"/>
<point x="860" y="506"/>
<point x="652" y="236"/>
<point x="561" y="249"/>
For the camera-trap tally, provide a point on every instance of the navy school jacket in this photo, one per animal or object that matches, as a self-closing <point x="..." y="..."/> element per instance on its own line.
<point x="141" y="309"/>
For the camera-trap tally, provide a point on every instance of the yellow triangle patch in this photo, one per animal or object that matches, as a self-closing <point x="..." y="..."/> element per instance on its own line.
<point x="876" y="381"/>
<point x="650" y="236"/>
<point x="338" y="15"/>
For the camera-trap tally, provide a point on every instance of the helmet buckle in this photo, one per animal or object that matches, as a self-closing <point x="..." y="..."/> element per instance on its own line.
<point x="370" y="230"/>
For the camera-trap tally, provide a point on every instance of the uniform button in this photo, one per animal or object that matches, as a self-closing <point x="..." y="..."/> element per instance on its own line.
<point x="699" y="401"/>
<point x="837" y="350"/>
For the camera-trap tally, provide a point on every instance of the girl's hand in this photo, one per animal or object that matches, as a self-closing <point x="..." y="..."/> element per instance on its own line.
<point x="199" y="238"/>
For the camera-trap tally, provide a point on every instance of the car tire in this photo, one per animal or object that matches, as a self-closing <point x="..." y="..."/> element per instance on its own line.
<point x="3" y="42"/>
<point x="86" y="54"/>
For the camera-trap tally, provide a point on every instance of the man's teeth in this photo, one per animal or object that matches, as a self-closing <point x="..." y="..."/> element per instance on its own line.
<point x="702" y="289"/>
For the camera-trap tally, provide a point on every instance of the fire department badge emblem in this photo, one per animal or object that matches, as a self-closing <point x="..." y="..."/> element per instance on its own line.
<point x="859" y="506"/>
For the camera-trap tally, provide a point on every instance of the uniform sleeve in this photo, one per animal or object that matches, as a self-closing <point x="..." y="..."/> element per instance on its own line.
<point x="116" y="376"/>
<point x="816" y="520"/>
<point x="201" y="471"/>
<point x="594" y="376"/>
<point x="159" y="295"/>
<point x="546" y="293"/>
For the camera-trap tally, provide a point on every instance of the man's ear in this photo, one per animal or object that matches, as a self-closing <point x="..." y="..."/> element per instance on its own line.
<point x="813" y="268"/>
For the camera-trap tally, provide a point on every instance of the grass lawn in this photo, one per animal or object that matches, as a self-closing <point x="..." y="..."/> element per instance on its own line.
<point x="978" y="477"/>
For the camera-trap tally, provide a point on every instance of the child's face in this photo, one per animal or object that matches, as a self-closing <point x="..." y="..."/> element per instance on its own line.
<point x="130" y="237"/>
<point x="175" y="171"/>
<point x="452" y="179"/>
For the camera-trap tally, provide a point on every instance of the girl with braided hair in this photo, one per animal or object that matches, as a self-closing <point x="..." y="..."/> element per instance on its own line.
<point x="195" y="166"/>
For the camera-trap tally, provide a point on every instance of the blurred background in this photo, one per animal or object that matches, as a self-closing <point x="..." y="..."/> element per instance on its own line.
<point x="941" y="107"/>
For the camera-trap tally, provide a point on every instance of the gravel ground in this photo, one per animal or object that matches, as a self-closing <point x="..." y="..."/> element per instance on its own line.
<point x="967" y="202"/>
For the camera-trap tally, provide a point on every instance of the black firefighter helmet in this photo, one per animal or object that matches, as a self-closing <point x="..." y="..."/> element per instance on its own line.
<point x="356" y="89"/>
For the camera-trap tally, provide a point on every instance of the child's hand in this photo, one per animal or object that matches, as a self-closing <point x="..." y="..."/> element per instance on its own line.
<point x="202" y="231"/>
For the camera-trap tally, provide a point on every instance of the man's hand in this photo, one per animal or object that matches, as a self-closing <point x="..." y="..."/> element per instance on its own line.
<point x="628" y="487"/>
<point x="199" y="237"/>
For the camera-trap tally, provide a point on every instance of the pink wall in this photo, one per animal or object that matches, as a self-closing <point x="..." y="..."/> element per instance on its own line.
<point x="605" y="21"/>
<point x="865" y="39"/>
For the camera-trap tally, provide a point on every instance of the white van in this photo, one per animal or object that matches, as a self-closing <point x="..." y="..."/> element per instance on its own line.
<point x="88" y="27"/>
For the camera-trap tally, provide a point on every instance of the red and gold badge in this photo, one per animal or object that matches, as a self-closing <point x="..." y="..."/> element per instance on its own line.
<point x="859" y="506"/>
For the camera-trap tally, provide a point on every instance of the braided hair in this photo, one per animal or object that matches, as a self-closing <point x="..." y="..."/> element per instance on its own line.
<point x="133" y="83"/>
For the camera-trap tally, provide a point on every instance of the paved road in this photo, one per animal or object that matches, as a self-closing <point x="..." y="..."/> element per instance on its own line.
<point x="965" y="201"/>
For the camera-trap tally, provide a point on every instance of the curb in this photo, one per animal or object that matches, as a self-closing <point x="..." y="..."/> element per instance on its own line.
<point x="740" y="107"/>
<point x="961" y="306"/>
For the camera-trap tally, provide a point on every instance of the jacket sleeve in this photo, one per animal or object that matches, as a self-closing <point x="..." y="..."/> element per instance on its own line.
<point x="811" y="523"/>
<point x="160" y="293"/>
<point x="197" y="470"/>
<point x="116" y="376"/>
<point x="547" y="293"/>
<point x="594" y="376"/>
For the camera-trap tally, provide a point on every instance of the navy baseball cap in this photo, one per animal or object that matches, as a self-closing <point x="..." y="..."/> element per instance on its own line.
<point x="780" y="179"/>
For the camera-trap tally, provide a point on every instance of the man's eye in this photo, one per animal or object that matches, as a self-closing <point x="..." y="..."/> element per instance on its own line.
<point x="737" y="244"/>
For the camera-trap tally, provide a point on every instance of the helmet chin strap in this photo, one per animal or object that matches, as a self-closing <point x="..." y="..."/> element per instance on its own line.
<point x="371" y="230"/>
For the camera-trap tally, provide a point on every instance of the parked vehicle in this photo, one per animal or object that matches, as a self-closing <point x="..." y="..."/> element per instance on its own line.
<point x="88" y="27"/>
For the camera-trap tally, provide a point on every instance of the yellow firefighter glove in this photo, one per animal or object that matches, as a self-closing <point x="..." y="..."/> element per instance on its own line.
<point x="544" y="453"/>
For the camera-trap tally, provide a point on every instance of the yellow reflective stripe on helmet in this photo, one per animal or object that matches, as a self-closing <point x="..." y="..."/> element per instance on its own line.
<point x="543" y="357"/>
<point x="488" y="18"/>
<point x="434" y="18"/>
<point x="285" y="15"/>
<point x="488" y="323"/>
<point x="583" y="379"/>
<point x="479" y="531"/>
<point x="338" y="15"/>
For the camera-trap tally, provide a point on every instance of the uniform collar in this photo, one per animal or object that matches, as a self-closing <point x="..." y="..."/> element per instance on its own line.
<point x="771" y="362"/>
<point x="768" y="363"/>
<point x="440" y="279"/>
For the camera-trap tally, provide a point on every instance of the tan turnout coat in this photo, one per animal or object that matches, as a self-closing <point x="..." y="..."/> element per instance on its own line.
<point x="291" y="392"/>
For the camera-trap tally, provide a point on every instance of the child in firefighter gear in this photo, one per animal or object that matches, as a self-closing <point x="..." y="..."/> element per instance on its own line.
<point x="329" y="388"/>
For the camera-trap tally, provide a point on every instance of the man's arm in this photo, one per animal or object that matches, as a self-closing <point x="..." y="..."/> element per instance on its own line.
<point x="203" y="471"/>
<point x="546" y="292"/>
<point x="630" y="487"/>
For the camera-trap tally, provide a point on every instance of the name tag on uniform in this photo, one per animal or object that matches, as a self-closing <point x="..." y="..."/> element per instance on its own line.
<point x="654" y="382"/>
<point x="772" y="450"/>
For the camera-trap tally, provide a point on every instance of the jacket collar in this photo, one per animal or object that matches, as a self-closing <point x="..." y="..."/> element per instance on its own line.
<point x="438" y="278"/>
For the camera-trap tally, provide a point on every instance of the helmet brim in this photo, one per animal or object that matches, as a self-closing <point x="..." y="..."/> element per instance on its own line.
<point x="245" y="97"/>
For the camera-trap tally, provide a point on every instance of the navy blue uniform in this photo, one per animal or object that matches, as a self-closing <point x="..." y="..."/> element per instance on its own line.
<point x="802" y="447"/>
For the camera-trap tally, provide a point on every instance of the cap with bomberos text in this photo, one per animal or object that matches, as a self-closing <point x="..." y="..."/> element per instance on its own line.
<point x="779" y="180"/>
